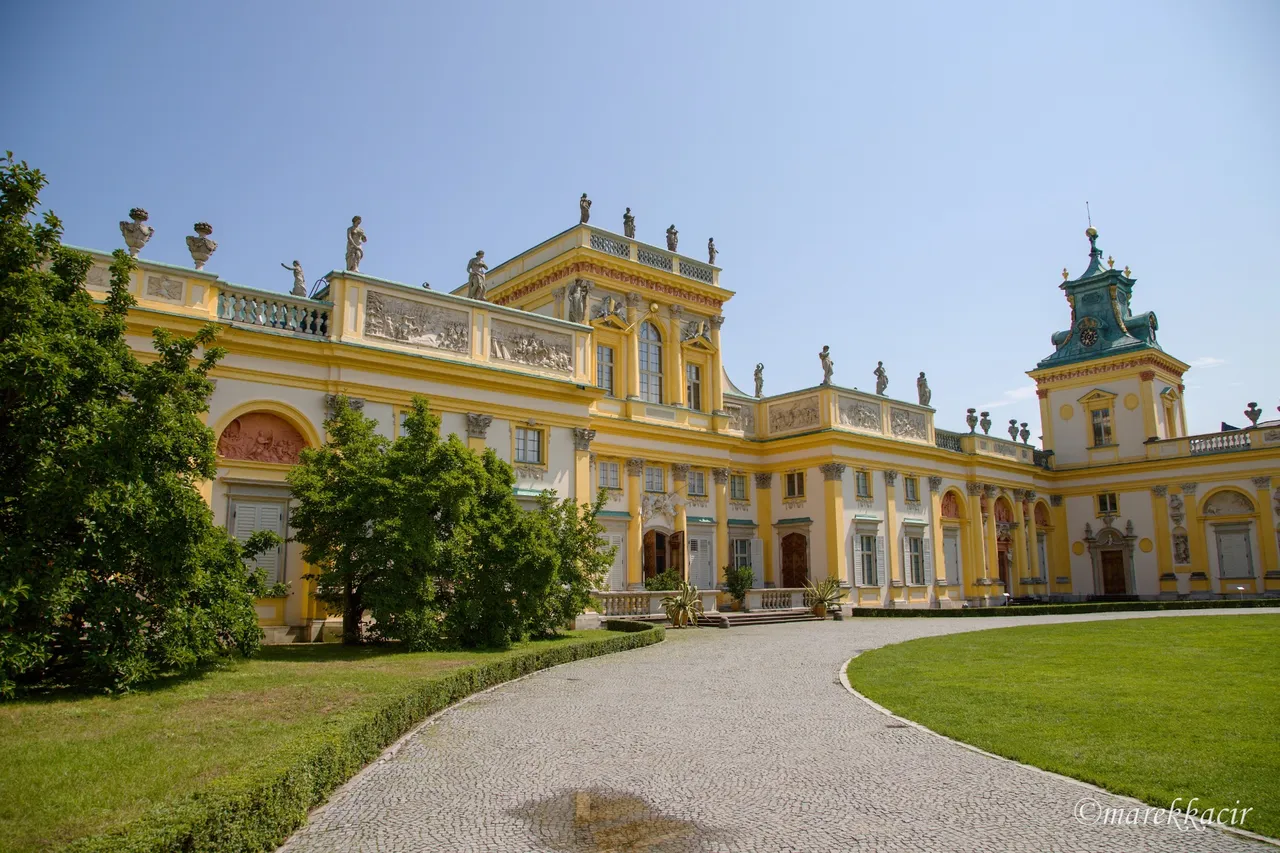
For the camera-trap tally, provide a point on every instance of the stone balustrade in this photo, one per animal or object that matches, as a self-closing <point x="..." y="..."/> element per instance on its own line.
<point x="247" y="306"/>
<point x="644" y="603"/>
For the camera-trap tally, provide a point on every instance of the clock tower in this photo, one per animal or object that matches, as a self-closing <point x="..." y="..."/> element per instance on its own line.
<point x="1108" y="386"/>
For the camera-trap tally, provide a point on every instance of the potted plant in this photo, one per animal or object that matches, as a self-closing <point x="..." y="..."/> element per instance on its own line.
<point x="683" y="608"/>
<point x="737" y="581"/>
<point x="823" y="596"/>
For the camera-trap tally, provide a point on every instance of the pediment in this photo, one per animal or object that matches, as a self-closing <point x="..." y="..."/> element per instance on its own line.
<point x="700" y="344"/>
<point x="609" y="321"/>
<point x="1097" y="395"/>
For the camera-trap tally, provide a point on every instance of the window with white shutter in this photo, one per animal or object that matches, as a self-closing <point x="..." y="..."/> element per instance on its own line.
<point x="757" y="561"/>
<point x="247" y="518"/>
<point x="882" y="568"/>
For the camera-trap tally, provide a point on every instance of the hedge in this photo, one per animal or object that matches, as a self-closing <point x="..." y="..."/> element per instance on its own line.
<point x="257" y="809"/>
<point x="1060" y="609"/>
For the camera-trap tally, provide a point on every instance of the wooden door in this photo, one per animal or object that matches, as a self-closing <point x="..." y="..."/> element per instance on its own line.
<point x="951" y="554"/>
<point x="675" y="543"/>
<point x="795" y="560"/>
<point x="1002" y="563"/>
<point x="1113" y="572"/>
<point x="651" y="553"/>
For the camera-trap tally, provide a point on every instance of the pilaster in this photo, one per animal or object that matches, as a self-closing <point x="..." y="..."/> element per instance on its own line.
<point x="675" y="385"/>
<point x="935" y="533"/>
<point x="989" y="519"/>
<point x="833" y="492"/>
<point x="1160" y="514"/>
<point x="1061" y="544"/>
<point x="635" y="540"/>
<point x="1033" y="550"/>
<point x="680" y="484"/>
<point x="582" y="439"/>
<point x="477" y="429"/>
<point x="977" y="538"/>
<point x="764" y="505"/>
<point x="717" y="366"/>
<point x="720" y="477"/>
<point x="1019" y="568"/>
<point x="1267" y="529"/>
<point x="1195" y="534"/>
<point x="634" y="302"/>
<point x="893" y="549"/>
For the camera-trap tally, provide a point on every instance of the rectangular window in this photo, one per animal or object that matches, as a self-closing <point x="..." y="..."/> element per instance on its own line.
<point x="911" y="488"/>
<point x="693" y="386"/>
<point x="915" y="556"/>
<point x="698" y="483"/>
<point x="607" y="475"/>
<point x="1101" y="427"/>
<point x="741" y="553"/>
<point x="863" y="481"/>
<point x="795" y="484"/>
<point x="867" y="560"/>
<point x="738" y="487"/>
<point x="1107" y="504"/>
<point x="529" y="446"/>
<point x="654" y="479"/>
<point x="604" y="369"/>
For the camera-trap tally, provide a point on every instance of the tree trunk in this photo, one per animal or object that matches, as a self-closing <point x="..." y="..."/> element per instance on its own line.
<point x="352" y="613"/>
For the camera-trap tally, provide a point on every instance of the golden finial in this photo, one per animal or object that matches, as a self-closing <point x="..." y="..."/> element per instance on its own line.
<point x="1126" y="273"/>
<point x="1065" y="275"/>
<point x="1111" y="262"/>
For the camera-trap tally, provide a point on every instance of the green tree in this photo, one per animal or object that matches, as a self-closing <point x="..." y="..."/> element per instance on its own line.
<point x="581" y="560"/>
<point x="111" y="568"/>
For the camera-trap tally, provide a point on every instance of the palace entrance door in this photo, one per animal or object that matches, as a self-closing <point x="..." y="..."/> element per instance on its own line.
<point x="1002" y="564"/>
<point x="795" y="560"/>
<point x="1112" y="572"/>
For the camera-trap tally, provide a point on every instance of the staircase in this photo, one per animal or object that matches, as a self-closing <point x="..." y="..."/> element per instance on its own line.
<point x="734" y="619"/>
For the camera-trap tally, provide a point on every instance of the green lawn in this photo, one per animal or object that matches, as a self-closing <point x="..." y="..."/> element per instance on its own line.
<point x="74" y="766"/>
<point x="1153" y="708"/>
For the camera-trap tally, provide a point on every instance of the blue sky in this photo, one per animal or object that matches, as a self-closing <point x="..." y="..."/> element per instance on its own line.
<point x="901" y="181"/>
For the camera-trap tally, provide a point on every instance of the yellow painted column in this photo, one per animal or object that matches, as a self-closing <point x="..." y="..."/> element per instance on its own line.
<point x="1267" y="530"/>
<point x="991" y="571"/>
<point x="935" y="533"/>
<point x="582" y="439"/>
<point x="1060" y="552"/>
<point x="1046" y="419"/>
<point x="976" y="556"/>
<point x="1033" y="539"/>
<point x="893" y="548"/>
<point x="1146" y="396"/>
<point x="675" y="384"/>
<point x="764" y="509"/>
<point x="635" y="541"/>
<point x="680" y="483"/>
<point x="1018" y="570"/>
<point x="1195" y="533"/>
<point x="633" y="345"/>
<point x="723" y="558"/>
<point x="1160" y="513"/>
<point x="717" y="366"/>
<point x="833" y="492"/>
<point x="477" y="429"/>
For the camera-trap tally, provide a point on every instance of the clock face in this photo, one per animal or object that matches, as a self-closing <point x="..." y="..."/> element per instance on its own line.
<point x="1088" y="336"/>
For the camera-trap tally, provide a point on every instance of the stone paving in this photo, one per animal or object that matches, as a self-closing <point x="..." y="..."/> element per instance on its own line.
<point x="738" y="740"/>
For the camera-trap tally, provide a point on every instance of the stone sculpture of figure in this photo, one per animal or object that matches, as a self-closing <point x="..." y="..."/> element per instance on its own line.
<point x="628" y="224"/>
<point x="584" y="209"/>
<point x="299" y="280"/>
<point x="476" y="268"/>
<point x="922" y="388"/>
<point x="828" y="366"/>
<point x="673" y="238"/>
<point x="578" y="301"/>
<point x="136" y="232"/>
<point x="882" y="378"/>
<point x="712" y="251"/>
<point x="760" y="380"/>
<point x="355" y="245"/>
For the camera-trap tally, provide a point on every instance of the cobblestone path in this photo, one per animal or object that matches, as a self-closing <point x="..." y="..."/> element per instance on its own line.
<point x="738" y="740"/>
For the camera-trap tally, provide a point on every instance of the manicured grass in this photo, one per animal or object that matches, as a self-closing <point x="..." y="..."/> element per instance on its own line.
<point x="1152" y="708"/>
<point x="76" y="766"/>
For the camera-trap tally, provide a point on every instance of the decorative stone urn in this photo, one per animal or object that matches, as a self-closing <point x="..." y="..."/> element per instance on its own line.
<point x="1253" y="413"/>
<point x="972" y="420"/>
<point x="1024" y="432"/>
<point x="1013" y="429"/>
<point x="200" y="246"/>
<point x="985" y="423"/>
<point x="136" y="233"/>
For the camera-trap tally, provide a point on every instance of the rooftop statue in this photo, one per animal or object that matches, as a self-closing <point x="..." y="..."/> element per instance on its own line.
<point x="578" y="301"/>
<point x="200" y="246"/>
<point x="882" y="378"/>
<point x="476" y="268"/>
<point x="137" y="232"/>
<point x="828" y="366"/>
<point x="299" y="280"/>
<point x="355" y="245"/>
<point x="584" y="209"/>
<point x="628" y="224"/>
<point x="711" y="250"/>
<point x="673" y="238"/>
<point x="760" y="380"/>
<point x="922" y="388"/>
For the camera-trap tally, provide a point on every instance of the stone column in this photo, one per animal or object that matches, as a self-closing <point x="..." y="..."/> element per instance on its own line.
<point x="675" y="385"/>
<point x="764" y="510"/>
<point x="717" y="366"/>
<point x="1046" y="418"/>
<point x="1266" y="530"/>
<point x="833" y="492"/>
<point x="989" y="518"/>
<point x="892" y="547"/>
<point x="634" y="301"/>
<point x="1033" y="538"/>
<point x="1150" y="420"/>
<point x="680" y="485"/>
<point x="635" y="527"/>
<point x="1061" y="538"/>
<point x="720" y="476"/>
<point x="477" y="429"/>
<point x="935" y="533"/>
<point x="977" y="536"/>
<point x="582" y="439"/>
<point x="1195" y="536"/>
<point x="1160" y="515"/>
<point x="1018" y="570"/>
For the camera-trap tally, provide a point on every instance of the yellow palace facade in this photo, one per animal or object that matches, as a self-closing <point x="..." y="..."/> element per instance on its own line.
<point x="593" y="360"/>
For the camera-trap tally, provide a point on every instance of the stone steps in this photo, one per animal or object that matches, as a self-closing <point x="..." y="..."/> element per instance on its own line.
<point x="729" y="619"/>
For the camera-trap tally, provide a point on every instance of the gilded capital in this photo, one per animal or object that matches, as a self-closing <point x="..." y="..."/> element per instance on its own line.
<point x="1160" y="491"/>
<point x="832" y="470"/>
<point x="1190" y="488"/>
<point x="478" y="425"/>
<point x="720" y="475"/>
<point x="680" y="471"/>
<point x="582" y="438"/>
<point x="635" y="467"/>
<point x="1262" y="482"/>
<point x="935" y="484"/>
<point x="890" y="477"/>
<point x="974" y="489"/>
<point x="764" y="480"/>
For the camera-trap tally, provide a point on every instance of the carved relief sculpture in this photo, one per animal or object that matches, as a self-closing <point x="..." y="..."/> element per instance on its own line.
<point x="261" y="437"/>
<point x="416" y="323"/>
<point x="200" y="246"/>
<point x="828" y="366"/>
<point x="882" y="378"/>
<point x="608" y="306"/>
<point x="582" y="438"/>
<point x="355" y="245"/>
<point x="578" y="292"/>
<point x="476" y="268"/>
<point x="904" y="423"/>
<point x="860" y="414"/>
<point x="922" y="389"/>
<point x="949" y="507"/>
<point x="533" y="347"/>
<point x="935" y="484"/>
<point x="1228" y="503"/>
<point x="832" y="470"/>
<point x="478" y="425"/>
<point x="764" y="480"/>
<point x="299" y="278"/>
<point x="795" y="414"/>
<point x="163" y="287"/>
<point x="136" y="232"/>
<point x="331" y="404"/>
<point x="1181" y="549"/>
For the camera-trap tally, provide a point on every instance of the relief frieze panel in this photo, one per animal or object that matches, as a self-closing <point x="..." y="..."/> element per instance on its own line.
<point x="860" y="414"/>
<point x="534" y="347"/>
<point x="416" y="323"/>
<point x="794" y="414"/>
<point x="904" y="423"/>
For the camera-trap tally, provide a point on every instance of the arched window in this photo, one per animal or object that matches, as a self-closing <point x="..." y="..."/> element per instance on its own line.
<point x="650" y="364"/>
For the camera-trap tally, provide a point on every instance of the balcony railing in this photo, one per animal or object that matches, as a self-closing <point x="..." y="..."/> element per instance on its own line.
<point x="273" y="311"/>
<point x="947" y="440"/>
<point x="1219" y="442"/>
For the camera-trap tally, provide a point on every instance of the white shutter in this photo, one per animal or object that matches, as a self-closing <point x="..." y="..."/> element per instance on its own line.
<point x="757" y="562"/>
<point x="708" y="563"/>
<point x="247" y="518"/>
<point x="618" y="572"/>
<point x="695" y="563"/>
<point x="882" y="569"/>
<point x="906" y="562"/>
<point x="951" y="555"/>
<point x="928" y="561"/>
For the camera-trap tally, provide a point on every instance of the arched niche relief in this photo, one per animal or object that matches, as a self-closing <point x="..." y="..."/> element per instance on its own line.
<point x="951" y="506"/>
<point x="261" y="437"/>
<point x="1228" y="502"/>
<point x="1230" y="519"/>
<point x="1042" y="516"/>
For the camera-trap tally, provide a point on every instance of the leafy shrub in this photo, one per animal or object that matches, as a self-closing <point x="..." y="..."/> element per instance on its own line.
<point x="663" y="581"/>
<point x="737" y="582"/>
